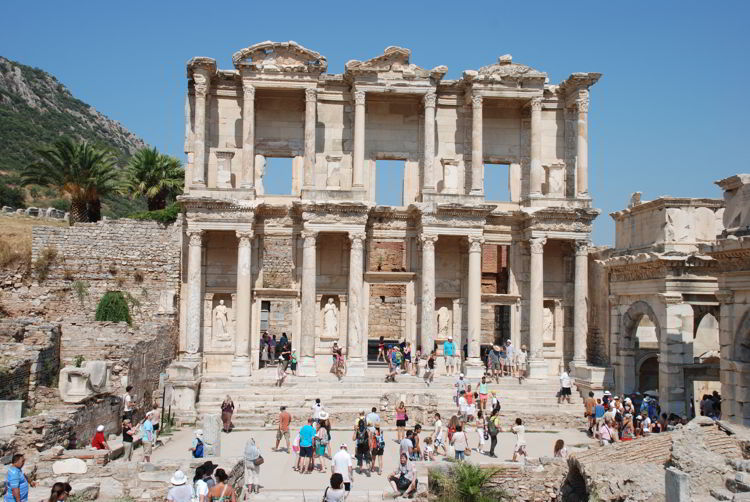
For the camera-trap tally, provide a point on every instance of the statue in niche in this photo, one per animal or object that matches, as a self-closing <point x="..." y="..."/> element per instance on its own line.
<point x="331" y="319"/>
<point x="444" y="321"/>
<point x="221" y="319"/>
<point x="549" y="324"/>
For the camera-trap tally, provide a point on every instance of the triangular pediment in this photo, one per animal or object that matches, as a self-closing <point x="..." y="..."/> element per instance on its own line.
<point x="393" y="64"/>
<point x="279" y="57"/>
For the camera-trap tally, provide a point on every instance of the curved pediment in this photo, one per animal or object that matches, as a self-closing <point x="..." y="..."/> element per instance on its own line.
<point x="279" y="57"/>
<point x="506" y="69"/>
<point x="393" y="64"/>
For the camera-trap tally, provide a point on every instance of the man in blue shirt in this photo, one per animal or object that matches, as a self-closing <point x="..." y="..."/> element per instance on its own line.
<point x="147" y="437"/>
<point x="449" y="352"/>
<point x="306" y="437"/>
<point x="16" y="482"/>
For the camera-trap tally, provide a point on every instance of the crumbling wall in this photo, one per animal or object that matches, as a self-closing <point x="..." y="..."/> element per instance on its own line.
<point x="597" y="345"/>
<point x="387" y="256"/>
<point x="29" y="357"/>
<point x="278" y="262"/>
<point x="387" y="315"/>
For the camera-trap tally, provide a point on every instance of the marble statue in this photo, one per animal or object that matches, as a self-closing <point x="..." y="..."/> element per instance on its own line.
<point x="549" y="324"/>
<point x="331" y="319"/>
<point x="443" y="318"/>
<point x="221" y="318"/>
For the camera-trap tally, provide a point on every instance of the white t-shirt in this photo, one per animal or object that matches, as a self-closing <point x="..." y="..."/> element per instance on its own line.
<point x="645" y="424"/>
<point x="460" y="441"/>
<point x="405" y="445"/>
<point x="521" y="357"/>
<point x="520" y="431"/>
<point x="316" y="409"/>
<point x="201" y="488"/>
<point x="128" y="402"/>
<point x="565" y="380"/>
<point x="182" y="493"/>
<point x="342" y="461"/>
<point x="332" y="495"/>
<point x="439" y="429"/>
<point x="462" y="404"/>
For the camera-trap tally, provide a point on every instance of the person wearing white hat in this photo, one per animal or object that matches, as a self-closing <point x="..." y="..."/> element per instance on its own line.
<point x="449" y="353"/>
<point x="147" y="437"/>
<point x="197" y="447"/>
<point x="99" y="442"/>
<point x="181" y="491"/>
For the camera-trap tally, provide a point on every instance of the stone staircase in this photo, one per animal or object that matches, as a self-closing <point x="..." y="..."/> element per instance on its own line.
<point x="257" y="400"/>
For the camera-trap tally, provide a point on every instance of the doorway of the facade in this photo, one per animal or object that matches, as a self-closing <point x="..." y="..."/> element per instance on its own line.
<point x="501" y="324"/>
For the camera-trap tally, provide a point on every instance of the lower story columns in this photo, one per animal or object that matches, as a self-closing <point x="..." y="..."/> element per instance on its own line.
<point x="308" y="306"/>
<point x="241" y="365"/>
<point x="474" y="367"/>
<point x="355" y="332"/>
<point x="537" y="364"/>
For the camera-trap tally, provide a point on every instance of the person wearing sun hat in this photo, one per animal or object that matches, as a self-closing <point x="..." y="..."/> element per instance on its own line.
<point x="99" y="442"/>
<point x="181" y="491"/>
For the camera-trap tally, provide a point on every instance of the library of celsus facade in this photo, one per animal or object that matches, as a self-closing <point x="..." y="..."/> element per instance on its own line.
<point x="326" y="263"/>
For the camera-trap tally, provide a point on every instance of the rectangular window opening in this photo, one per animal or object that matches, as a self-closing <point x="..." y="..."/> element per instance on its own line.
<point x="277" y="179"/>
<point x="265" y="309"/>
<point x="389" y="182"/>
<point x="497" y="182"/>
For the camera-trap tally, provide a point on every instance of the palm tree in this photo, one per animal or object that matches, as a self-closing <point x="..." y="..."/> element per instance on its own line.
<point x="81" y="171"/>
<point x="153" y="175"/>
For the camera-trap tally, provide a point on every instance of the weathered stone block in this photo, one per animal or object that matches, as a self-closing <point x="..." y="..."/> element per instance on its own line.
<point x="69" y="466"/>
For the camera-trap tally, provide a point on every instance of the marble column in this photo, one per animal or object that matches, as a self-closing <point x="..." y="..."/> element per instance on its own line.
<point x="537" y="172"/>
<point x="428" y="175"/>
<point x="199" y="142"/>
<point x="537" y="364"/>
<point x="241" y="365"/>
<point x="582" y="146"/>
<point x="427" y="336"/>
<point x="311" y="102"/>
<point x="308" y="307"/>
<point x="356" y="337"/>
<point x="358" y="161"/>
<point x="195" y="298"/>
<point x="474" y="367"/>
<point x="580" y="310"/>
<point x="477" y="154"/>
<point x="248" y="136"/>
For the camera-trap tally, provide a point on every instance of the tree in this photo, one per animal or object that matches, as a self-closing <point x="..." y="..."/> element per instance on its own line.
<point x="156" y="176"/>
<point x="81" y="171"/>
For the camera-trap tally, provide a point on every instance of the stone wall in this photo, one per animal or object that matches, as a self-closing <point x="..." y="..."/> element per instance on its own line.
<point x="387" y="256"/>
<point x="597" y="345"/>
<point x="387" y="315"/>
<point x="141" y="258"/>
<point x="278" y="262"/>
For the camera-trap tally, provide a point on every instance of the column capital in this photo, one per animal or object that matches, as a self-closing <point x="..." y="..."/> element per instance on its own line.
<point x="581" y="248"/>
<point x="311" y="94"/>
<point x="476" y="100"/>
<point x="428" y="240"/>
<point x="245" y="236"/>
<point x="475" y="243"/>
<point x="357" y="238"/>
<point x="536" y="244"/>
<point x="536" y="104"/>
<point x="359" y="97"/>
<point x="248" y="89"/>
<point x="309" y="236"/>
<point x="195" y="236"/>
<point x="430" y="99"/>
<point x="582" y="102"/>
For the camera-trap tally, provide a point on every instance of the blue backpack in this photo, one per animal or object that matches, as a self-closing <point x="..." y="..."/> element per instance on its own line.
<point x="198" y="453"/>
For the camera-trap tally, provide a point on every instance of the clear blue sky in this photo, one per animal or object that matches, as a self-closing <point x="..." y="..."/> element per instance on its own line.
<point x="669" y="116"/>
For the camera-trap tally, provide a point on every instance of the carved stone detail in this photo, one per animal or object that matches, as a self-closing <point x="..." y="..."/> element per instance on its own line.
<point x="359" y="97"/>
<point x="536" y="244"/>
<point x="536" y="104"/>
<point x="311" y="94"/>
<point x="195" y="237"/>
<point x="429" y="99"/>
<point x="476" y="101"/>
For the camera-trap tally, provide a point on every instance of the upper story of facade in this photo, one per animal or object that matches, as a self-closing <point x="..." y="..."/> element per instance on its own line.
<point x="279" y="102"/>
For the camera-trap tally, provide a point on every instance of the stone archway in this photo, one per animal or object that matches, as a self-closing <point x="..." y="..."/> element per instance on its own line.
<point x="647" y="372"/>
<point x="735" y="373"/>
<point x="626" y="378"/>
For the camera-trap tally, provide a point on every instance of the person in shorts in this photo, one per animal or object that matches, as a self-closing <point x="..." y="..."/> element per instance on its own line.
<point x="283" y="431"/>
<point x="449" y="353"/>
<point x="306" y="437"/>
<point x="520" y="431"/>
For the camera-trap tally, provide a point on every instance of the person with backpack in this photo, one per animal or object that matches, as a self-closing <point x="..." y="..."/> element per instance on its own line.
<point x="493" y="428"/>
<point x="197" y="447"/>
<point x="362" y="438"/>
<point x="378" y="442"/>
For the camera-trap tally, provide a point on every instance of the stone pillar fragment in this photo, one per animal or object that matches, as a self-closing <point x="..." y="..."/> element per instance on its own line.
<point x="676" y="485"/>
<point x="199" y="142"/>
<point x="428" y="178"/>
<point x="428" y="293"/>
<point x="537" y="364"/>
<point x="356" y="337"/>
<point x="311" y="101"/>
<point x="582" y="146"/>
<point x="477" y="154"/>
<point x="248" y="136"/>
<point x="194" y="301"/>
<point x="211" y="424"/>
<point x="537" y="172"/>
<point x="309" y="314"/>
<point x="474" y="367"/>
<point x="580" y="310"/>
<point x="241" y="366"/>
<point x="358" y="161"/>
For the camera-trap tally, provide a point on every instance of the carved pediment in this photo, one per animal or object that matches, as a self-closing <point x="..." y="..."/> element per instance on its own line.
<point x="394" y="64"/>
<point x="279" y="57"/>
<point x="506" y="70"/>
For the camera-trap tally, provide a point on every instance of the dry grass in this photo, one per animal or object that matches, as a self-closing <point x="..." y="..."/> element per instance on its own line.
<point x="15" y="240"/>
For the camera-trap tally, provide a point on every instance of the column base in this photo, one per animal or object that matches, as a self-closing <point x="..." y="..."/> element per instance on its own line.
<point x="538" y="368"/>
<point x="307" y="367"/>
<point x="473" y="368"/>
<point x="476" y="191"/>
<point x="355" y="367"/>
<point x="241" y="367"/>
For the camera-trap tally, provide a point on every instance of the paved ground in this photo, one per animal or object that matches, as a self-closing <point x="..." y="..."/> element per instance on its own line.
<point x="277" y="473"/>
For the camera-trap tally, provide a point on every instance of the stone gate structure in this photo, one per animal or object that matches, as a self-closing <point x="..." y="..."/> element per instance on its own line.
<point x="326" y="264"/>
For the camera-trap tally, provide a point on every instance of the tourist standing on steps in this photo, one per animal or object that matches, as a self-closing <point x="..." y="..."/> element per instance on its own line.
<point x="417" y="359"/>
<point x="460" y="385"/>
<point x="483" y="394"/>
<point x="449" y="353"/>
<point x="316" y="409"/>
<point x="429" y="373"/>
<point x="589" y="412"/>
<point x="253" y="461"/>
<point x="521" y="357"/>
<point x="306" y="438"/>
<point x="401" y="419"/>
<point x="147" y="437"/>
<point x="16" y="484"/>
<point x="381" y="349"/>
<point x="280" y="372"/>
<point x="439" y="435"/>
<point x="293" y="362"/>
<point x="564" y="387"/>
<point x="510" y="353"/>
<point x="128" y="403"/>
<point x="283" y="431"/>
<point x="342" y="464"/>
<point x="404" y="478"/>
<point x="128" y="432"/>
<point x="227" y="410"/>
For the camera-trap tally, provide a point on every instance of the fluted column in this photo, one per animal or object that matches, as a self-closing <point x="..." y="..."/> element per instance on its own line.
<point x="241" y="365"/>
<point x="195" y="297"/>
<point x="358" y="162"/>
<point x="311" y="101"/>
<point x="537" y="364"/>
<point x="474" y="367"/>
<point x="427" y="336"/>
<point x="355" y="336"/>
<point x="537" y="172"/>
<point x="309" y="317"/>
<point x="580" y="311"/>
<point x="199" y="142"/>
<point x="477" y="154"/>
<point x="582" y="146"/>
<point x="428" y="178"/>
<point x="248" y="136"/>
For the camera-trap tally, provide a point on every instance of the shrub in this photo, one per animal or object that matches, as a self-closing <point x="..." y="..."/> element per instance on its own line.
<point x="44" y="262"/>
<point x="11" y="196"/>
<point x="113" y="307"/>
<point x="81" y="289"/>
<point x="465" y="482"/>
<point x="78" y="361"/>
<point x="167" y="215"/>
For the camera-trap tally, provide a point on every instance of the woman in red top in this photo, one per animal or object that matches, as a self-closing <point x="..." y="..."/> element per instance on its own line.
<point x="99" y="442"/>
